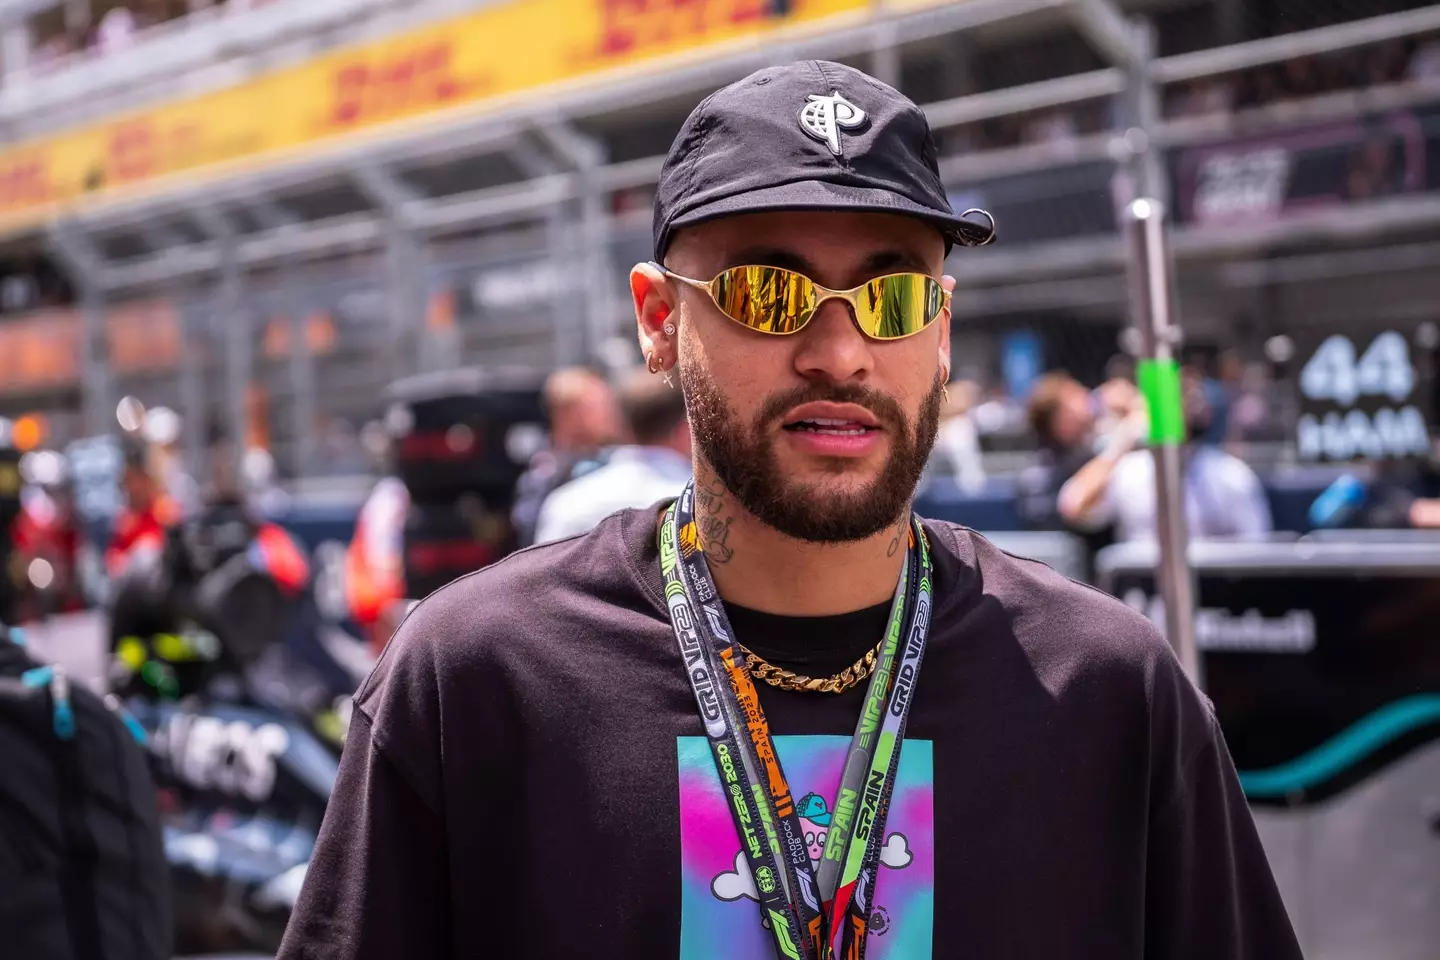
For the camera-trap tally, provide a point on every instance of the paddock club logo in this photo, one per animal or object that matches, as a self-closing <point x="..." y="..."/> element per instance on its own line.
<point x="1215" y="629"/>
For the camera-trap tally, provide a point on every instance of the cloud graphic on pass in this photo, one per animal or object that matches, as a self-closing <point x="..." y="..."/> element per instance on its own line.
<point x="896" y="852"/>
<point x="739" y="883"/>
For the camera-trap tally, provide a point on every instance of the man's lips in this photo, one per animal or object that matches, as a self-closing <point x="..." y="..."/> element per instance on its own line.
<point x="832" y="418"/>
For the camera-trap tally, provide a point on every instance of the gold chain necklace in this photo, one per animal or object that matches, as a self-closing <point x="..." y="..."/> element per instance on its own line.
<point x="786" y="680"/>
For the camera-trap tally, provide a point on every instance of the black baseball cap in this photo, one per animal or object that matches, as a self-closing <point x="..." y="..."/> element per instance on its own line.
<point x="813" y="135"/>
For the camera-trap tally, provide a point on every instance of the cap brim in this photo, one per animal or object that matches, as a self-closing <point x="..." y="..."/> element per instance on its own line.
<point x="822" y="195"/>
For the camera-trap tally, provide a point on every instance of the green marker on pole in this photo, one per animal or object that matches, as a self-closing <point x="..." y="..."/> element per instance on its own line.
<point x="1159" y="383"/>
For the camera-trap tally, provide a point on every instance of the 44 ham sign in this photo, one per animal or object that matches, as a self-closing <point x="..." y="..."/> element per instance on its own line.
<point x="1363" y="398"/>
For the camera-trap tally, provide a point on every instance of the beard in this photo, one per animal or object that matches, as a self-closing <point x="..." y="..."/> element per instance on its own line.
<point x="744" y="459"/>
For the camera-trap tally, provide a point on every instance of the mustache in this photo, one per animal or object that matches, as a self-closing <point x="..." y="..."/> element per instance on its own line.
<point x="885" y="408"/>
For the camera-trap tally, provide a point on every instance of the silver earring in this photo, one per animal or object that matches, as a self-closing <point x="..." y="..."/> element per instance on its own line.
<point x="669" y="329"/>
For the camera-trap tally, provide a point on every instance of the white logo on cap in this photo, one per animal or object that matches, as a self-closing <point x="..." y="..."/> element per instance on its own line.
<point x="824" y="117"/>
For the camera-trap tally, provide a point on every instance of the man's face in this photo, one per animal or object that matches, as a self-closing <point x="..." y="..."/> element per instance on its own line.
<point x="822" y="434"/>
<point x="1074" y="417"/>
<point x="589" y="420"/>
<point x="600" y="415"/>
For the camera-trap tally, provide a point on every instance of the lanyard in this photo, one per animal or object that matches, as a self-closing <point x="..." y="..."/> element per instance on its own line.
<point x="804" y="908"/>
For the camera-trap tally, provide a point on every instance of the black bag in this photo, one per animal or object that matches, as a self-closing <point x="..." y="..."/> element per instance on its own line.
<point x="83" y="874"/>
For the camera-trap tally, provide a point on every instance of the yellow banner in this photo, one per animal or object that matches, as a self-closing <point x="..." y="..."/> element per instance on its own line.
<point x="474" y="61"/>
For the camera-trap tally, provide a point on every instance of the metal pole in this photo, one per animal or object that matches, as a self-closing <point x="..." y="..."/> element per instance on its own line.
<point x="234" y="317"/>
<point x="404" y="266"/>
<point x="192" y="385"/>
<point x="599" y="295"/>
<point x="586" y="156"/>
<point x="1144" y="226"/>
<point x="302" y="381"/>
<point x="885" y="58"/>
<point x="87" y="272"/>
<point x="407" y="321"/>
<point x="98" y="388"/>
<point x="566" y="330"/>
<point x="1142" y="221"/>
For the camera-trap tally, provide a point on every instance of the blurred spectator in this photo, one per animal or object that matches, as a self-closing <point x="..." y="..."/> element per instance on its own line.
<point x="47" y="545"/>
<point x="375" y="562"/>
<point x="1425" y="63"/>
<point x="1253" y="416"/>
<point x="654" y="467"/>
<point x="1118" y="398"/>
<point x="1206" y="96"/>
<point x="1218" y="396"/>
<point x="997" y="413"/>
<point x="147" y="514"/>
<point x="958" y="443"/>
<point x="1302" y="79"/>
<point x="1223" y="497"/>
<point x="1051" y="126"/>
<point x="584" y="420"/>
<point x="1374" y="170"/>
<point x="116" y="30"/>
<point x="1065" y="417"/>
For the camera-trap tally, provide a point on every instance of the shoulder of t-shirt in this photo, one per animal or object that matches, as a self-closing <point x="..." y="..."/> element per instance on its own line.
<point x="459" y="624"/>
<point x="460" y="640"/>
<point x="1079" y="637"/>
<point x="1054" y="617"/>
<point x="1026" y="586"/>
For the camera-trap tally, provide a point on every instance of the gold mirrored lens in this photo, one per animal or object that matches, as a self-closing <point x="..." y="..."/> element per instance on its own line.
<point x="767" y="299"/>
<point x="778" y="301"/>
<point x="888" y="308"/>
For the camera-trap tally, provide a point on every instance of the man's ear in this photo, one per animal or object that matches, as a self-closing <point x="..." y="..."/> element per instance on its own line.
<point x="947" y="283"/>
<point x="657" y="316"/>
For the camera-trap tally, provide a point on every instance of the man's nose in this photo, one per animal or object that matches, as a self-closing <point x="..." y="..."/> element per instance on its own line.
<point x="832" y="346"/>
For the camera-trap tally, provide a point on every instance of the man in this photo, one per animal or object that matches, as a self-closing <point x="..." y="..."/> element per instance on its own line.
<point x="654" y="467"/>
<point x="549" y="763"/>
<point x="47" y="532"/>
<point x="148" y="513"/>
<point x="1066" y="418"/>
<point x="375" y="562"/>
<point x="1224" y="499"/>
<point x="583" y="421"/>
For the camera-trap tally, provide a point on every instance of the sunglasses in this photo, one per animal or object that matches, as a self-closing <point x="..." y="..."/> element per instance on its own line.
<point x="781" y="302"/>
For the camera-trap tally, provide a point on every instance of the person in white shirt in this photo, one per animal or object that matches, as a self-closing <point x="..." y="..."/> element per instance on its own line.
<point x="116" y="30"/>
<point x="1224" y="499"/>
<point x="959" y="439"/>
<point x="655" y="466"/>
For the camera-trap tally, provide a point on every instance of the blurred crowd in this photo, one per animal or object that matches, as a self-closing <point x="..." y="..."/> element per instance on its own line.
<point x="1247" y="399"/>
<point x="1414" y="60"/>
<point x="107" y="26"/>
<point x="1085" y="469"/>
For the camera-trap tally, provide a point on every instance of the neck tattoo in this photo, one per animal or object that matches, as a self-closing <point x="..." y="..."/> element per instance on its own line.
<point x="901" y="534"/>
<point x="713" y="522"/>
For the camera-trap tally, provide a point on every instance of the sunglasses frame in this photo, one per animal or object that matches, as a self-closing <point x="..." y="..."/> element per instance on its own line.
<point x="823" y="293"/>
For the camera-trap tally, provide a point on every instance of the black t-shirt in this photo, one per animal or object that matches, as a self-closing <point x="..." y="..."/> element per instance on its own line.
<point x="527" y="776"/>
